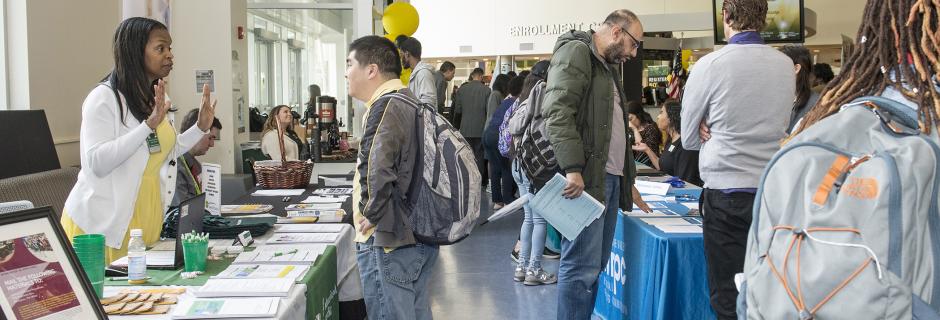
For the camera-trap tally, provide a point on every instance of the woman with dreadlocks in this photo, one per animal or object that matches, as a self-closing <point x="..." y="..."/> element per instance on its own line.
<point x="897" y="57"/>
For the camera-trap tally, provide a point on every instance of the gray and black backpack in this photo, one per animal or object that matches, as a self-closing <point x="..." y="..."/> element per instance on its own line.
<point x="531" y="146"/>
<point x="846" y="224"/>
<point x="445" y="201"/>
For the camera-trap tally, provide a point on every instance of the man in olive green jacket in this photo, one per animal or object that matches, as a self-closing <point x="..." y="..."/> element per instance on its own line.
<point x="586" y="126"/>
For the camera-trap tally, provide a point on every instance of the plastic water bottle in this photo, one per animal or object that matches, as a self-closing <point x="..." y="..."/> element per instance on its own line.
<point x="136" y="258"/>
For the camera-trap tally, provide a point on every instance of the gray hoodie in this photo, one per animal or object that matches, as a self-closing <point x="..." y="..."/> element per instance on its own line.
<point x="422" y="83"/>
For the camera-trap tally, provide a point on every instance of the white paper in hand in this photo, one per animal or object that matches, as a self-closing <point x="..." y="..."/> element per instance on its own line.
<point x="568" y="216"/>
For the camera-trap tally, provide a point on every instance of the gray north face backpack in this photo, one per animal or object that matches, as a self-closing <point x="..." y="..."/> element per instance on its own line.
<point x="531" y="146"/>
<point x="445" y="201"/>
<point x="846" y="223"/>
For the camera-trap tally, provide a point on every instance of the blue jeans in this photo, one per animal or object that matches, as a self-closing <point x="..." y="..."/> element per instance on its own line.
<point x="584" y="257"/>
<point x="395" y="284"/>
<point x="501" y="187"/>
<point x="532" y="235"/>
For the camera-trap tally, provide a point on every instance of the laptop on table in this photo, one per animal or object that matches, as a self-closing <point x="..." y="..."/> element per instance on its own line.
<point x="191" y="213"/>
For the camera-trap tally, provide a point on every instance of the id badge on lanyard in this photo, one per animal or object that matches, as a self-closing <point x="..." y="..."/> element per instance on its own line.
<point x="153" y="144"/>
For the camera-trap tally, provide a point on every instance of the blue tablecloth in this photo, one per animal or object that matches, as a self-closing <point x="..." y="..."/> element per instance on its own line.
<point x="654" y="275"/>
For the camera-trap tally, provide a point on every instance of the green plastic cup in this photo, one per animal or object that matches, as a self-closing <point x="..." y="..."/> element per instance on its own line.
<point x="194" y="256"/>
<point x="90" y="251"/>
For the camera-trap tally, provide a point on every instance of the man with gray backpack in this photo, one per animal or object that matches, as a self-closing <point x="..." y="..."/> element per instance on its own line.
<point x="416" y="185"/>
<point x="856" y="234"/>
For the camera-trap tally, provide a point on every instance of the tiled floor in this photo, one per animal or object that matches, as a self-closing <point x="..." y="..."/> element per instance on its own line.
<point x="473" y="278"/>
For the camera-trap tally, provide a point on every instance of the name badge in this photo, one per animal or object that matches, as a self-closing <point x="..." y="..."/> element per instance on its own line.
<point x="153" y="144"/>
<point x="671" y="147"/>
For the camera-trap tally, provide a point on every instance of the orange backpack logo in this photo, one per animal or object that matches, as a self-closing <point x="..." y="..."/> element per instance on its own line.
<point x="861" y="188"/>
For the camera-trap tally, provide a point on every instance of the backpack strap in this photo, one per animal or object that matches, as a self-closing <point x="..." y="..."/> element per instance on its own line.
<point x="895" y="117"/>
<point x="413" y="103"/>
<point x="895" y="225"/>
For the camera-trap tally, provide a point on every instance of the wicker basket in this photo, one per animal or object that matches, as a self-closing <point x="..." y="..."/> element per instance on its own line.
<point x="273" y="174"/>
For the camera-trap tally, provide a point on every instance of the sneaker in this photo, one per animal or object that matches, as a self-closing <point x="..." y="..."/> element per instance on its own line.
<point x="520" y="274"/>
<point x="537" y="277"/>
<point x="549" y="254"/>
<point x="515" y="256"/>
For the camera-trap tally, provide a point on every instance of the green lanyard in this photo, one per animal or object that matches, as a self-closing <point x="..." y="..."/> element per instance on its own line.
<point x="189" y="172"/>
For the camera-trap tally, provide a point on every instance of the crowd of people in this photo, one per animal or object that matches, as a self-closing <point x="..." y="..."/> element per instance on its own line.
<point x="739" y="104"/>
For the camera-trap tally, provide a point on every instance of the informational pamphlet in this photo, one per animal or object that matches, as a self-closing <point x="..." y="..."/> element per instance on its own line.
<point x="263" y="271"/>
<point x="212" y="186"/>
<point x="281" y="254"/>
<point x="278" y="287"/>
<point x="310" y="228"/>
<point x="568" y="216"/>
<point x="289" y="238"/>
<point x="226" y="308"/>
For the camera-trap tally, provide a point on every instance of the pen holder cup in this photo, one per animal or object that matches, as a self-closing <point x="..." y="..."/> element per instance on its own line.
<point x="194" y="256"/>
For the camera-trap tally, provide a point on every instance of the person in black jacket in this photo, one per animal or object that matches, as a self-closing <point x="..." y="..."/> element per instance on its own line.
<point x="675" y="160"/>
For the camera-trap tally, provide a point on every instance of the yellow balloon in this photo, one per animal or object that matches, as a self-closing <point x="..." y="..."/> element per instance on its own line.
<point x="400" y="18"/>
<point x="392" y="36"/>
<point x="405" y="75"/>
<point x="686" y="56"/>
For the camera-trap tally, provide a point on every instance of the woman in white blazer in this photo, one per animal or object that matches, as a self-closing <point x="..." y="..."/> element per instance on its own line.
<point x="128" y="142"/>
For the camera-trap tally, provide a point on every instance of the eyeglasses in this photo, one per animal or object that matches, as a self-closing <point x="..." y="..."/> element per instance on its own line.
<point x="636" y="43"/>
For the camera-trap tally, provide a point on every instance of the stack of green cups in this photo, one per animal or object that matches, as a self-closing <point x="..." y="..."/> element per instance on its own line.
<point x="90" y="251"/>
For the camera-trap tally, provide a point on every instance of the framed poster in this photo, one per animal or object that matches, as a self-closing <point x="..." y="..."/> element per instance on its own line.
<point x="40" y="277"/>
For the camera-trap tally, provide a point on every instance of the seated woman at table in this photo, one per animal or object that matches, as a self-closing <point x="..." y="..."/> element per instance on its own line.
<point x="280" y="121"/>
<point x="644" y="130"/>
<point x="675" y="160"/>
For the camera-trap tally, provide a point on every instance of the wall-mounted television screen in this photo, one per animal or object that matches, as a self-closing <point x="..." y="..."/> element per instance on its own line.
<point x="784" y="22"/>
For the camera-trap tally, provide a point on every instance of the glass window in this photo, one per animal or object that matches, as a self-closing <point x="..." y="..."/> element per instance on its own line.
<point x="309" y="47"/>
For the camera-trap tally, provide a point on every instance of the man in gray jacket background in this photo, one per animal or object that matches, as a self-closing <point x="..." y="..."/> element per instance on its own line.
<point x="421" y="82"/>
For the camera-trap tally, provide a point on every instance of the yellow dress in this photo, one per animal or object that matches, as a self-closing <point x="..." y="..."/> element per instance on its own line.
<point x="148" y="209"/>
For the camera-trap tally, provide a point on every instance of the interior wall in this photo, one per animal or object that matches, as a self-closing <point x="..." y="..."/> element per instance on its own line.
<point x="203" y="41"/>
<point x="65" y="55"/>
